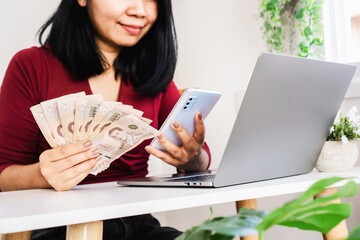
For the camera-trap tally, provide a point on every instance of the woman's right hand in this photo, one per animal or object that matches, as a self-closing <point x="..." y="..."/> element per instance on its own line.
<point x="66" y="166"/>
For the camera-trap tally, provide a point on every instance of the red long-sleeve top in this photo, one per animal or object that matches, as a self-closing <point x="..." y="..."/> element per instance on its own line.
<point x="35" y="75"/>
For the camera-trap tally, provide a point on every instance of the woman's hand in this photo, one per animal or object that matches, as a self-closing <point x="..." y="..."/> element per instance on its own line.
<point x="188" y="158"/>
<point x="64" y="167"/>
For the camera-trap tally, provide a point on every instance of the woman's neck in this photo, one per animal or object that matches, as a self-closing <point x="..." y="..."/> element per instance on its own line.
<point x="109" y="53"/>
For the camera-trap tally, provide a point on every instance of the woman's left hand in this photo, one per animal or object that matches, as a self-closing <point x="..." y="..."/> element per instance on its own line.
<point x="188" y="158"/>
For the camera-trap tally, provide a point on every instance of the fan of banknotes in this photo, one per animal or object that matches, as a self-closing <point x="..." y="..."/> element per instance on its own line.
<point x="113" y="127"/>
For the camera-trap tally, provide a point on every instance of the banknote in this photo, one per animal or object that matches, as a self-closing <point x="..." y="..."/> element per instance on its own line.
<point x="104" y="109"/>
<point x="53" y="119"/>
<point x="119" y="137"/>
<point x="66" y="109"/>
<point x="113" y="127"/>
<point x="40" y="119"/>
<point x="80" y="108"/>
<point x="90" y="111"/>
<point x="51" y="115"/>
<point x="116" y="112"/>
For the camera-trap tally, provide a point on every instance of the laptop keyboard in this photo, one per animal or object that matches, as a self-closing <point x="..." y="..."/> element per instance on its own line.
<point x="196" y="178"/>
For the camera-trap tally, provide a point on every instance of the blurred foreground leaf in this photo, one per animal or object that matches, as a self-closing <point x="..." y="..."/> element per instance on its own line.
<point x="223" y="228"/>
<point x="308" y="213"/>
<point x="305" y="213"/>
<point x="355" y="234"/>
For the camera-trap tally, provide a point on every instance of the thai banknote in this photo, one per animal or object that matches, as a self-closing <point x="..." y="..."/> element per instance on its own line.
<point x="90" y="112"/>
<point x="41" y="121"/>
<point x="47" y="110"/>
<point x="104" y="109"/>
<point x="119" y="137"/>
<point x="51" y="113"/>
<point x="66" y="109"/>
<point x="116" y="112"/>
<point x="80" y="108"/>
<point x="114" y="128"/>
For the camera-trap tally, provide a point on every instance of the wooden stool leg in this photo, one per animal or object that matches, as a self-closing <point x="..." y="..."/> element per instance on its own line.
<point x="85" y="231"/>
<point x="340" y="231"/>
<point x="17" y="236"/>
<point x="250" y="204"/>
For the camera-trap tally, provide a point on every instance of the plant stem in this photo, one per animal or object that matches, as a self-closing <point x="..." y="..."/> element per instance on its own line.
<point x="290" y="6"/>
<point x="261" y="235"/>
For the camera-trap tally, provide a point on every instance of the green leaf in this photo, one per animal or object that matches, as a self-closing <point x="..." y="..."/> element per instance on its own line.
<point x="304" y="48"/>
<point x="318" y="41"/>
<point x="321" y="219"/>
<point x="307" y="31"/>
<point x="304" y="54"/>
<point x="306" y="203"/>
<point x="270" y="7"/>
<point x="300" y="13"/>
<point x="355" y="234"/>
<point x="194" y="233"/>
<point x="243" y="224"/>
<point x="219" y="237"/>
<point x="319" y="186"/>
<point x="231" y="226"/>
<point x="223" y="228"/>
<point x="304" y="213"/>
<point x="267" y="26"/>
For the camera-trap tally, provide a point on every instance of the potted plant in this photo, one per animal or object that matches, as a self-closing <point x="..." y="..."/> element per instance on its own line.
<point x="340" y="151"/>
<point x="293" y="27"/>
<point x="305" y="213"/>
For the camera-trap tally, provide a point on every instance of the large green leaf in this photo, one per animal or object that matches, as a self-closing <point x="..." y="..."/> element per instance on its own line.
<point x="321" y="219"/>
<point x="355" y="234"/>
<point x="305" y="202"/>
<point x="319" y="186"/>
<point x="242" y="224"/>
<point x="304" y="213"/>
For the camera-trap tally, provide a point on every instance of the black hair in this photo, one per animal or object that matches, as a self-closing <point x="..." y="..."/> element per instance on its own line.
<point x="149" y="65"/>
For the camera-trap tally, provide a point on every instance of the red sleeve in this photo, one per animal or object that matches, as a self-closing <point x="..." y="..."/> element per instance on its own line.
<point x="19" y="133"/>
<point x="170" y="98"/>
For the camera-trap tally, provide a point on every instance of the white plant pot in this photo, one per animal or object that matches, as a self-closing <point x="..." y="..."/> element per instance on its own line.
<point x="337" y="156"/>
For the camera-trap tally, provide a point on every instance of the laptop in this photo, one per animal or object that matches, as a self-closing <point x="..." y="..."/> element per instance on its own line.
<point x="282" y="124"/>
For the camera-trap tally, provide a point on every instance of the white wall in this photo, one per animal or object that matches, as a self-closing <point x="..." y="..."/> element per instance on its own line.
<point x="20" y="21"/>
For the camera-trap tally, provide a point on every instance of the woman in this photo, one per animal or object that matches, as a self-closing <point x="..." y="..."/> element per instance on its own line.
<point x="124" y="50"/>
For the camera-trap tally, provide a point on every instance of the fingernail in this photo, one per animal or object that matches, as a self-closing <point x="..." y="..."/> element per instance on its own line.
<point x="200" y="116"/>
<point x="86" y="144"/>
<point x="175" y="124"/>
<point x="159" y="136"/>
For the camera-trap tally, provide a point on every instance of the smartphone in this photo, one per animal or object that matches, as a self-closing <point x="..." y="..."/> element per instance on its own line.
<point x="190" y="102"/>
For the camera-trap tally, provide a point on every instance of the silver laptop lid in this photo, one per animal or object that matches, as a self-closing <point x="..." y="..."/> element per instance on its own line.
<point x="284" y="118"/>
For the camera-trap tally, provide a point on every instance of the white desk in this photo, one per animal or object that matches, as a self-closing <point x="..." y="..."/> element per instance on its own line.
<point x="35" y="209"/>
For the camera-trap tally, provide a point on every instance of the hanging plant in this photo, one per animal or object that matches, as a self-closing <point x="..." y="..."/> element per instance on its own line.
<point x="293" y="27"/>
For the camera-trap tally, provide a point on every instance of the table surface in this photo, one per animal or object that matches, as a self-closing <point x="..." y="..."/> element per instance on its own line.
<point x="41" y="208"/>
